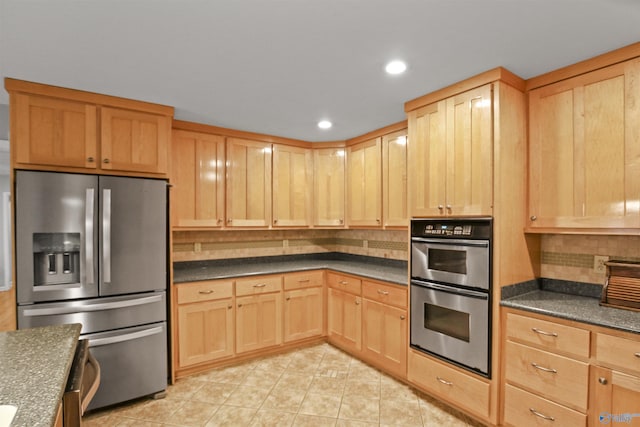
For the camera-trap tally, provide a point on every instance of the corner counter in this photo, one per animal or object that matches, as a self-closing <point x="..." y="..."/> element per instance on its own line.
<point x="35" y="366"/>
<point x="388" y="270"/>
<point x="571" y="301"/>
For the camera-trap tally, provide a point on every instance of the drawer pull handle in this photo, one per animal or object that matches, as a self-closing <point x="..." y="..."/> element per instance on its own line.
<point x="343" y="282"/>
<point x="445" y="382"/>
<point x="260" y="285"/>
<point x="304" y="281"/>
<point x="543" y="416"/>
<point x="542" y="368"/>
<point x="381" y="292"/>
<point x="541" y="332"/>
<point x="206" y="292"/>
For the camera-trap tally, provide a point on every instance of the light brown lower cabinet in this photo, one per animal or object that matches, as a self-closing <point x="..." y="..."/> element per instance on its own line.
<point x="205" y="321"/>
<point x="345" y="320"/>
<point x="302" y="313"/>
<point x="463" y="390"/>
<point x="258" y="321"/>
<point x="384" y="326"/>
<point x="565" y="373"/>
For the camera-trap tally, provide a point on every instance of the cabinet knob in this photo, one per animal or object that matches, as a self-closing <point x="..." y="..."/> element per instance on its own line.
<point x="287" y="298"/>
<point x="106" y="161"/>
<point x="449" y="207"/>
<point x="239" y="305"/>
<point x="341" y="221"/>
<point x="229" y="307"/>
<point x="602" y="380"/>
<point x="357" y="301"/>
<point x="275" y="221"/>
<point x="440" y="207"/>
<point x="378" y="220"/>
<point x="90" y="159"/>
<point x="229" y="221"/>
<point x="533" y="217"/>
<point x="402" y="317"/>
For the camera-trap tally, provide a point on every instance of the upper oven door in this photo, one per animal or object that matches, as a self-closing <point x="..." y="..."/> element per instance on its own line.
<point x="453" y="261"/>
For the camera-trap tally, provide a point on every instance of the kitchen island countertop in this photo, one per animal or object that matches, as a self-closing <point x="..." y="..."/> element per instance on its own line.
<point x="392" y="271"/>
<point x="35" y="367"/>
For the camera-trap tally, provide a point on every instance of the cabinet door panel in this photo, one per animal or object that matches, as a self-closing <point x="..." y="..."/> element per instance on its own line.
<point x="364" y="191"/>
<point x="584" y="146"/>
<point x="469" y="173"/>
<point x="134" y="141"/>
<point x="394" y="180"/>
<point x="248" y="183"/>
<point x="329" y="187"/>
<point x="427" y="159"/>
<point x="54" y="132"/>
<point x="292" y="188"/>
<point x="258" y="322"/>
<point x="302" y="313"/>
<point x="197" y="175"/>
<point x="205" y="331"/>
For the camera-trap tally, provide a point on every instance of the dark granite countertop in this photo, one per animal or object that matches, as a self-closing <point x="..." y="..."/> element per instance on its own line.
<point x="35" y="366"/>
<point x="571" y="301"/>
<point x="387" y="270"/>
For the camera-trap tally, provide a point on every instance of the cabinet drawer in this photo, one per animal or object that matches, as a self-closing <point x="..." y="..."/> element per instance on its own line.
<point x="462" y="389"/>
<point x="344" y="283"/>
<point x="387" y="294"/>
<point x="549" y="335"/>
<point x="204" y="291"/>
<point x="306" y="279"/>
<point x="259" y="285"/>
<point x="559" y="378"/>
<point x="618" y="352"/>
<point x="522" y="409"/>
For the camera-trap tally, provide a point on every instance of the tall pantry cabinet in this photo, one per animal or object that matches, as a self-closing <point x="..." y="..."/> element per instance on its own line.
<point x="466" y="156"/>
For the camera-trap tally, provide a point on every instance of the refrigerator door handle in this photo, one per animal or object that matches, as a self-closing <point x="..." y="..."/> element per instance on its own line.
<point x="106" y="235"/>
<point x="88" y="235"/>
<point x="32" y="312"/>
<point x="96" y="342"/>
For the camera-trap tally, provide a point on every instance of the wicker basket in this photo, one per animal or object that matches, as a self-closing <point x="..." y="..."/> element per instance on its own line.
<point x="622" y="287"/>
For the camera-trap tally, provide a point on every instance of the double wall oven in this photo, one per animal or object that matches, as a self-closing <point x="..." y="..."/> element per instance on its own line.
<point x="451" y="290"/>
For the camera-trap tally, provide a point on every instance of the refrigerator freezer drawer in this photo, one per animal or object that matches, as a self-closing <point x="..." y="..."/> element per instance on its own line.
<point x="133" y="363"/>
<point x="96" y="315"/>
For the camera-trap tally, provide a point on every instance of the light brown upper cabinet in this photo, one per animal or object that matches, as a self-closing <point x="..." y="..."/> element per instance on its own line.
<point x="584" y="135"/>
<point x="134" y="141"/>
<point x="292" y="186"/>
<point x="364" y="192"/>
<point x="62" y="129"/>
<point x="450" y="155"/>
<point x="197" y="176"/>
<point x="394" y="179"/>
<point x="329" y="187"/>
<point x="248" y="183"/>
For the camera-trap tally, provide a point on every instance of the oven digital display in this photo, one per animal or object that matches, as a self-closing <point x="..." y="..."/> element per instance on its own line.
<point x="447" y="321"/>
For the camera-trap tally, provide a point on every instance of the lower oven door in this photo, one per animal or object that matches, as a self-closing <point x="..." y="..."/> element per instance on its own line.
<point x="451" y="323"/>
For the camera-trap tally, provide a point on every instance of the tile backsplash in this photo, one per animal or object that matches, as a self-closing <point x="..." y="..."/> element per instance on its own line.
<point x="205" y="245"/>
<point x="571" y="257"/>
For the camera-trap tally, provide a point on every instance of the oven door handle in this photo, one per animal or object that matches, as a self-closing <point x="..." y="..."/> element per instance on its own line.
<point x="453" y="242"/>
<point x="452" y="290"/>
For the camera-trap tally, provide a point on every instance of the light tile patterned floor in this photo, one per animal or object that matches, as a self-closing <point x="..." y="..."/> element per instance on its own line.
<point x="314" y="386"/>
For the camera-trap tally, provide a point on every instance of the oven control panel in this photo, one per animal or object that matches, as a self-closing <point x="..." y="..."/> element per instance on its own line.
<point x="468" y="228"/>
<point x="447" y="230"/>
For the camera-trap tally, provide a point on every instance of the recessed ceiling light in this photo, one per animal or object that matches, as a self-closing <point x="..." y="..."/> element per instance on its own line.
<point x="396" y="67"/>
<point x="324" y="124"/>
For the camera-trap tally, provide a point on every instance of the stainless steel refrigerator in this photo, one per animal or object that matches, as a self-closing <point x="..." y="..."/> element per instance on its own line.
<point x="92" y="249"/>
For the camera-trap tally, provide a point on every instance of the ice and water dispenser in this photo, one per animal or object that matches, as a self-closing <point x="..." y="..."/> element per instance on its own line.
<point x="56" y="258"/>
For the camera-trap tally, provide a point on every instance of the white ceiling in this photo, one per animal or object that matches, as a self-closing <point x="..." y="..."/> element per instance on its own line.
<point x="279" y="66"/>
